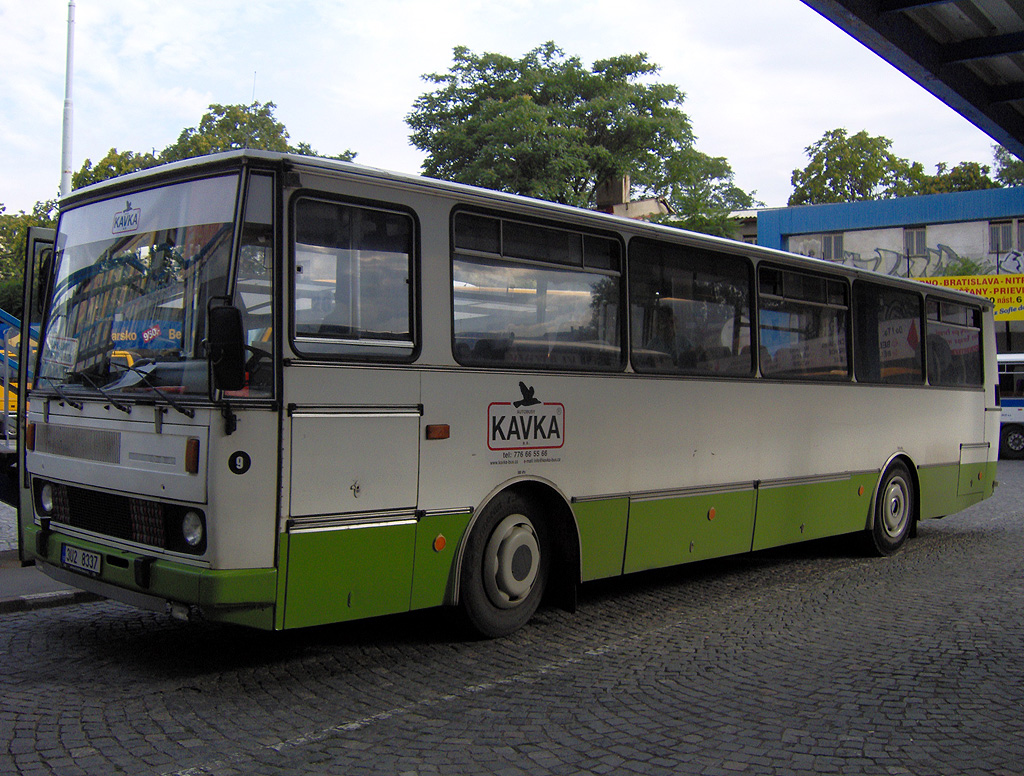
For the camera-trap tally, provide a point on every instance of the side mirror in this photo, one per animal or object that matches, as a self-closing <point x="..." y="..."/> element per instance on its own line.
<point x="225" y="340"/>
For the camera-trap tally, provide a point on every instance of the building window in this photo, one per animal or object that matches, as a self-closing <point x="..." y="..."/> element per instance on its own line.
<point x="832" y="247"/>
<point x="1000" y="236"/>
<point x="914" y="243"/>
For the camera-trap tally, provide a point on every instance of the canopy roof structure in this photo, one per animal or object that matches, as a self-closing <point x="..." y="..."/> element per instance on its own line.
<point x="968" y="53"/>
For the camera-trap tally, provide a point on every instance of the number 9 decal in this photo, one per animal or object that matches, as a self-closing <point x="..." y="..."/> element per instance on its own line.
<point x="239" y="462"/>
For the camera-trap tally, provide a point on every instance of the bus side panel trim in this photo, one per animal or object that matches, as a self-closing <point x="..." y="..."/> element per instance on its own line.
<point x="438" y="537"/>
<point x="666" y="532"/>
<point x="602" y="528"/>
<point x="797" y="513"/>
<point x="341" y="575"/>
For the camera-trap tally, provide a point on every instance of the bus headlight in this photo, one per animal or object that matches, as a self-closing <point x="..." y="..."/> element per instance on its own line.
<point x="46" y="498"/>
<point x="192" y="528"/>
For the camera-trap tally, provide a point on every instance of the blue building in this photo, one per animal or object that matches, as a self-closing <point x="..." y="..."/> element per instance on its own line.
<point x="981" y="232"/>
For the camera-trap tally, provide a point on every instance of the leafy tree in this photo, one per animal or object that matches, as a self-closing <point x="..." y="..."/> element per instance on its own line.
<point x="112" y="165"/>
<point x="851" y="168"/>
<point x="701" y="192"/>
<point x="222" y="128"/>
<point x="1009" y="169"/>
<point x="966" y="176"/>
<point x="14" y="235"/>
<point x="13" y="242"/>
<point x="963" y="265"/>
<point x="548" y="127"/>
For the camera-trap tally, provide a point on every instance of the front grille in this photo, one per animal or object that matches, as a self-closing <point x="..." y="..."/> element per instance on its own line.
<point x="143" y="521"/>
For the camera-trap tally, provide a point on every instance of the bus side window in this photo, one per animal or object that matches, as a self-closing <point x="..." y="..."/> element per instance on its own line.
<point x="352" y="280"/>
<point x="690" y="311"/>
<point x="887" y="334"/>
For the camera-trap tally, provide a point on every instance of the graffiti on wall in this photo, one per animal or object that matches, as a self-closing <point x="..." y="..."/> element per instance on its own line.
<point x="936" y="262"/>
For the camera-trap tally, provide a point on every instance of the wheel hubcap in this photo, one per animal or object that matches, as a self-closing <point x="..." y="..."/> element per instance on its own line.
<point x="511" y="562"/>
<point x="896" y="507"/>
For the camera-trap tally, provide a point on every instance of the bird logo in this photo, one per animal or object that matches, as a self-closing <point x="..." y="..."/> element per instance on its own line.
<point x="528" y="399"/>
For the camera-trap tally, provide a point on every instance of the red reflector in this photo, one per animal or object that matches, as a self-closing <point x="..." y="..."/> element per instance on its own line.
<point x="192" y="456"/>
<point x="30" y="436"/>
<point x="439" y="431"/>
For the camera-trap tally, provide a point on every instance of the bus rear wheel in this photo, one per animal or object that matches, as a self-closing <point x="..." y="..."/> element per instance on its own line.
<point x="505" y="566"/>
<point x="894" y="510"/>
<point x="1011" y="442"/>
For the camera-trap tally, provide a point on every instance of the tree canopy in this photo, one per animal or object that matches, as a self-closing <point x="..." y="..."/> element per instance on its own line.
<point x="852" y="168"/>
<point x="1009" y="169"/>
<point x="546" y="126"/>
<point x="222" y="128"/>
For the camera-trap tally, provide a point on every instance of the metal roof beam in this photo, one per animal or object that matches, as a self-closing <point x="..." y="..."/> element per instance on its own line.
<point x="984" y="48"/>
<point x="898" y="39"/>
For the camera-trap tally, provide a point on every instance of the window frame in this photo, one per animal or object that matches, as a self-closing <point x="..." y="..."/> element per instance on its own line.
<point x="977" y="380"/>
<point x="827" y="304"/>
<point x="858" y="347"/>
<point x="708" y="254"/>
<point x="354" y="349"/>
<point x="486" y="256"/>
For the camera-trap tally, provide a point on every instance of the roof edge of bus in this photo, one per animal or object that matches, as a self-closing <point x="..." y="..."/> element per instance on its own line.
<point x="240" y="157"/>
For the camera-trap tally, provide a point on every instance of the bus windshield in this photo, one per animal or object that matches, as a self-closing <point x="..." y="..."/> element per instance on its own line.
<point x="131" y="286"/>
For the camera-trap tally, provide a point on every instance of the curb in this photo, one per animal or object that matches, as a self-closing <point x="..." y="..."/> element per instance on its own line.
<point x="33" y="601"/>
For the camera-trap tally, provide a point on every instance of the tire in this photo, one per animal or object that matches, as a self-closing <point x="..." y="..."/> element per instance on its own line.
<point x="1011" y="442"/>
<point x="895" y="510"/>
<point x="505" y="566"/>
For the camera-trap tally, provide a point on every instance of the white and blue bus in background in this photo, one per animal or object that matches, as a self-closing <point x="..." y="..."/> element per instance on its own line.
<point x="1011" y="388"/>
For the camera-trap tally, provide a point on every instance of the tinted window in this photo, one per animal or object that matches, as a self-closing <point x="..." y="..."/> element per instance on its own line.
<point x="534" y="296"/>
<point x="803" y="321"/>
<point x="888" y="335"/>
<point x="352" y="280"/>
<point x="954" y="344"/>
<point x="689" y="310"/>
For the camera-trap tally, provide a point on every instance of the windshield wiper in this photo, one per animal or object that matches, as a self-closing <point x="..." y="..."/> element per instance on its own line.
<point x="63" y="396"/>
<point x="125" y="408"/>
<point x="188" y="412"/>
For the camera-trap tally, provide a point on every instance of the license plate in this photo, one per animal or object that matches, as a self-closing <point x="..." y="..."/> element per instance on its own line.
<point x="81" y="560"/>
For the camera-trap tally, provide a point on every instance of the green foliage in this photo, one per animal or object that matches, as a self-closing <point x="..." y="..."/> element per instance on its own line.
<point x="12" y="296"/>
<point x="1009" y="169"/>
<point x="222" y="128"/>
<point x="964" y="266"/>
<point x="13" y="238"/>
<point x="546" y="126"/>
<point x="112" y="165"/>
<point x="966" y="176"/>
<point x="700" y="190"/>
<point x="845" y="168"/>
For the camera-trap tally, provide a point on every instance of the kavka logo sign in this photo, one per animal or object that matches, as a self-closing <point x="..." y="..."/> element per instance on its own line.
<point x="525" y="424"/>
<point x="127" y="220"/>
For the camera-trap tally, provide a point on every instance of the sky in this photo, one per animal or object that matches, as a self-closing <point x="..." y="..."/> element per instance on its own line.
<point x="763" y="79"/>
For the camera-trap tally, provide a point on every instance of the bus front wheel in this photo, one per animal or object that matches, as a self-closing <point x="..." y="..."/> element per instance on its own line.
<point x="894" y="510"/>
<point x="1011" y="440"/>
<point x="505" y="566"/>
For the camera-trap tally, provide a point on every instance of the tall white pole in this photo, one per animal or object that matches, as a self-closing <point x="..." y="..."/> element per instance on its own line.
<point x="65" y="175"/>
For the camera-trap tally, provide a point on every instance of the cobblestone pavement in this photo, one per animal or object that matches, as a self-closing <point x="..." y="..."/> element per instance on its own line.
<point x="811" y="660"/>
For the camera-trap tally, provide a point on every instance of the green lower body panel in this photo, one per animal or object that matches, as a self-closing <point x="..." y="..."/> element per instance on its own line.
<point x="800" y="511"/>
<point x="348" y="574"/>
<point x="437" y="540"/>
<point x="368" y="571"/>
<point x="242" y="596"/>
<point x="602" y="529"/>
<point x="669" y="531"/>
<point x="952" y="488"/>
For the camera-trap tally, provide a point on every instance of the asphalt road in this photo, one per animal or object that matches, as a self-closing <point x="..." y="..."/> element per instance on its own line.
<point x="811" y="660"/>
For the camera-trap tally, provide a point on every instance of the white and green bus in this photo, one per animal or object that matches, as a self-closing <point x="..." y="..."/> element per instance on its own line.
<point x="281" y="391"/>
